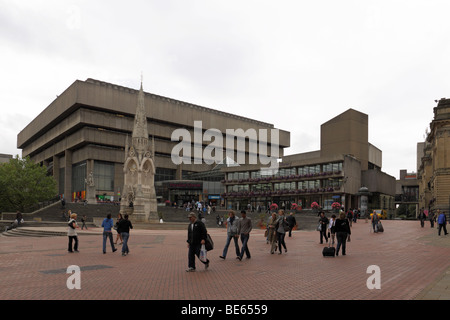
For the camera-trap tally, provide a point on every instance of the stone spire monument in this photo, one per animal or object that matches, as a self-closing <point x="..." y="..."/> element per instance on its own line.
<point x="138" y="195"/>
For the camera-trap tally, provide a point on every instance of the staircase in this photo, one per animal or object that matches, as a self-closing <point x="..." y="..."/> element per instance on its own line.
<point x="25" y="232"/>
<point x="39" y="229"/>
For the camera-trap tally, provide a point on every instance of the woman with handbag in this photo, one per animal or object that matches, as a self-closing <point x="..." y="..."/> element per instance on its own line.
<point x="281" y="228"/>
<point x="272" y="232"/>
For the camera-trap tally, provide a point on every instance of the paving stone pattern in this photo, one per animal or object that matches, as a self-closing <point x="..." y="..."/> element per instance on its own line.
<point x="414" y="264"/>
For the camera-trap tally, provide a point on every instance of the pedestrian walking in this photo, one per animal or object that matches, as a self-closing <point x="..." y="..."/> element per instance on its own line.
<point x="350" y="216"/>
<point x="72" y="233"/>
<point x="323" y="222"/>
<point x="116" y="227"/>
<point x="343" y="231"/>
<point x="83" y="222"/>
<point x="266" y="233"/>
<point x="69" y="214"/>
<point x="281" y="232"/>
<point x="375" y="219"/>
<point x="291" y="222"/>
<point x="196" y="238"/>
<point x="332" y="228"/>
<point x="442" y="222"/>
<point x="124" y="230"/>
<point x="232" y="233"/>
<point x="107" y="226"/>
<point x="244" y="229"/>
<point x="272" y="232"/>
<point x="355" y="215"/>
<point x="431" y="217"/>
<point x="422" y="218"/>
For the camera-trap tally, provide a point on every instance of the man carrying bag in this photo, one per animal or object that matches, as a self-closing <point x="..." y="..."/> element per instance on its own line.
<point x="197" y="237"/>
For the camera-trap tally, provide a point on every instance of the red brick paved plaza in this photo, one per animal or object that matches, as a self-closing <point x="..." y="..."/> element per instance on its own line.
<point x="411" y="260"/>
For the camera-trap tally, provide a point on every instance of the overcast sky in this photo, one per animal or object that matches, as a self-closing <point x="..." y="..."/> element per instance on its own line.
<point x="295" y="64"/>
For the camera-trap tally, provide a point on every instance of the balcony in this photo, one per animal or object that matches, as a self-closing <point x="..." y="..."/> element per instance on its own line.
<point x="292" y="178"/>
<point x="275" y="193"/>
<point x="406" y="198"/>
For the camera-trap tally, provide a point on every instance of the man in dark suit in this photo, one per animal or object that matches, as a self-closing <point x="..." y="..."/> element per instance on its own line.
<point x="291" y="222"/>
<point x="196" y="237"/>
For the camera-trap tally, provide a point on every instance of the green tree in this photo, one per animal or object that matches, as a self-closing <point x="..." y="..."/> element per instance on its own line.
<point x="23" y="184"/>
<point x="406" y="211"/>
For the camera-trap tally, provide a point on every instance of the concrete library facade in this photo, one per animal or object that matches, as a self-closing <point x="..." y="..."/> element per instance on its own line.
<point x="345" y="162"/>
<point x="85" y="130"/>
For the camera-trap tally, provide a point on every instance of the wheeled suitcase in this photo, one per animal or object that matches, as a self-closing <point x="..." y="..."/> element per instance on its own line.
<point x="329" y="251"/>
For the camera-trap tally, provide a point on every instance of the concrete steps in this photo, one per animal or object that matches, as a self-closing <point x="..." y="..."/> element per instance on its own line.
<point x="173" y="220"/>
<point x="39" y="229"/>
<point x="25" y="232"/>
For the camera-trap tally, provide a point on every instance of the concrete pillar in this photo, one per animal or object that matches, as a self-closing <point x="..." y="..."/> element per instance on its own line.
<point x="56" y="171"/>
<point x="179" y="172"/>
<point x="364" y="194"/>
<point x="68" y="176"/>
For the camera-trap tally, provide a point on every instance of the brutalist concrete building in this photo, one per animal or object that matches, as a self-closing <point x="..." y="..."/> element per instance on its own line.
<point x="85" y="130"/>
<point x="345" y="162"/>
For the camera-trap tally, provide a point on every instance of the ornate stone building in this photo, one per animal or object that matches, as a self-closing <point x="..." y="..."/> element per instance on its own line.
<point x="434" y="170"/>
<point x="139" y="197"/>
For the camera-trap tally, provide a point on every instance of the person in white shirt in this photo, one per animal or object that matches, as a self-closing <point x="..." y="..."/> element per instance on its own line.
<point x="72" y="233"/>
<point x="331" y="229"/>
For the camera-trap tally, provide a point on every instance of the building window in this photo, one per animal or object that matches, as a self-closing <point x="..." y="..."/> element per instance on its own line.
<point x="327" y="202"/>
<point x="256" y="174"/>
<point x="243" y="175"/>
<point x="104" y="176"/>
<point x="327" y="167"/>
<point x="163" y="174"/>
<point x="332" y="167"/>
<point x="78" y="177"/>
<point x="331" y="183"/>
<point x="284" y="186"/>
<point x="185" y="174"/>
<point x="337" y="167"/>
<point x="261" y="187"/>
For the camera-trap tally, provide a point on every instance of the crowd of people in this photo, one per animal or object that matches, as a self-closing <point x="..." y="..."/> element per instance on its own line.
<point x="278" y="225"/>
<point x="199" y="206"/>
<point x="336" y="229"/>
<point x="236" y="228"/>
<point x="122" y="226"/>
<point x="333" y="230"/>
<point x="438" y="218"/>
